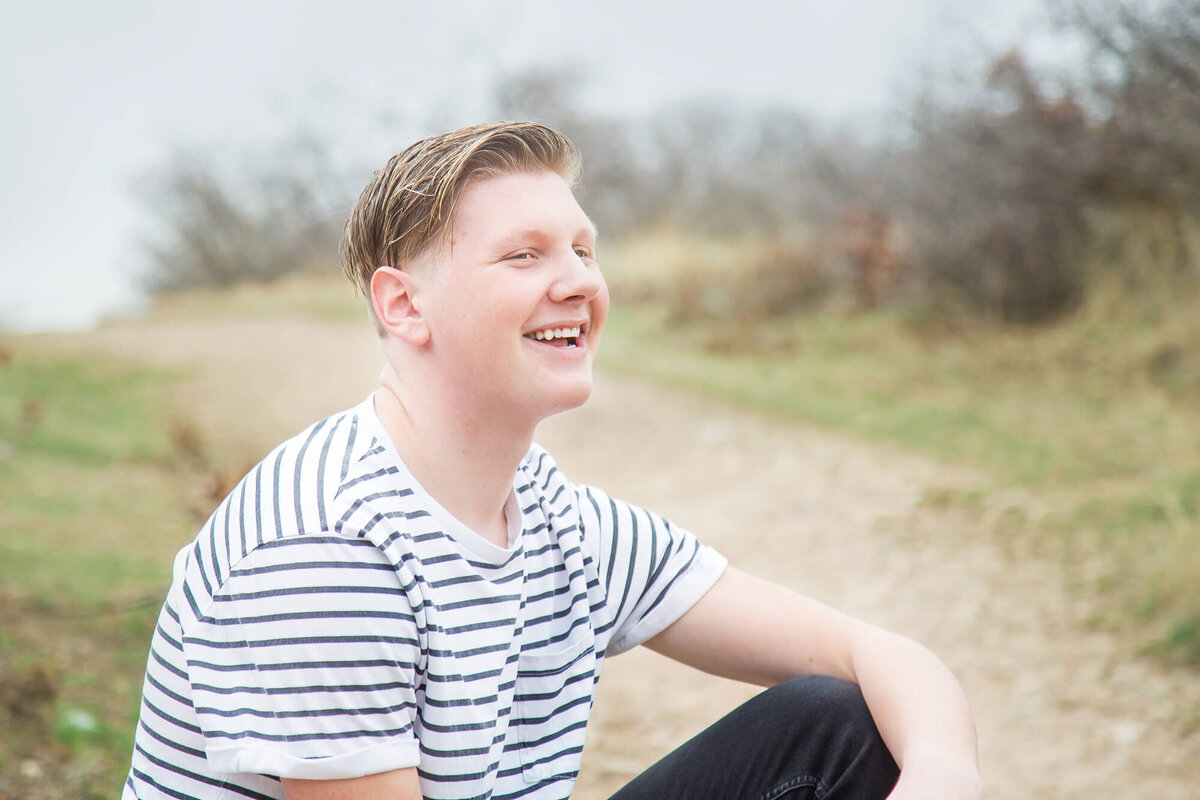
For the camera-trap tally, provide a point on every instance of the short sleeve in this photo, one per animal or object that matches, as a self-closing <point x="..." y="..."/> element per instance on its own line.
<point x="652" y="571"/>
<point x="303" y="665"/>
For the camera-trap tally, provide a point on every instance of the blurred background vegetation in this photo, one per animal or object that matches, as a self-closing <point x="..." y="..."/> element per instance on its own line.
<point x="1008" y="281"/>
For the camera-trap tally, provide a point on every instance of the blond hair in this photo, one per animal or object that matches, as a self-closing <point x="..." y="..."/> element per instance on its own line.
<point x="408" y="205"/>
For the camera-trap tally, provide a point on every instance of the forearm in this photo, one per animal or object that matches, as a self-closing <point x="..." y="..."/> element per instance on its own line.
<point x="921" y="712"/>
<point x="755" y="631"/>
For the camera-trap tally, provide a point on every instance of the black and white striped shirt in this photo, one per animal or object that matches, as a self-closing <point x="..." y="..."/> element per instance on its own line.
<point x="332" y="620"/>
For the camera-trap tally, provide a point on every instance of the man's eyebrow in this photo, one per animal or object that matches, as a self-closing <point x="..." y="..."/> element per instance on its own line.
<point x="516" y="237"/>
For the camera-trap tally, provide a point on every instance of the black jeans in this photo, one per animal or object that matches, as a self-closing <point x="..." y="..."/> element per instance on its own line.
<point x="810" y="737"/>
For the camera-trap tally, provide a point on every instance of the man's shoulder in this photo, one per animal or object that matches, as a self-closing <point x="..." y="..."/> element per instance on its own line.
<point x="316" y="461"/>
<point x="297" y="488"/>
<point x="338" y="436"/>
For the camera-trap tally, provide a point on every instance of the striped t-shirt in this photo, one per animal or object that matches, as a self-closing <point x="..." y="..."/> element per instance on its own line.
<point x="332" y="620"/>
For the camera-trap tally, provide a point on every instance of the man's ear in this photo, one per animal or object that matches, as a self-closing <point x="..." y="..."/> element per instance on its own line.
<point x="394" y="297"/>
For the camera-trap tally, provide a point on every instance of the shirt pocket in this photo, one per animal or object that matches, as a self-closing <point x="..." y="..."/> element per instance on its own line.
<point x="551" y="705"/>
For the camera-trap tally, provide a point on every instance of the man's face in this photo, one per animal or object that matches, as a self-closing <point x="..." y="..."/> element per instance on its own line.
<point x="515" y="301"/>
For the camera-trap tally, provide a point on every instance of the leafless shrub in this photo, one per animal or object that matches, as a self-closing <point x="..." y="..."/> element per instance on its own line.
<point x="785" y="280"/>
<point x="270" y="215"/>
<point x="1002" y="188"/>
<point x="1144" y="77"/>
<point x="780" y="279"/>
<point x="713" y="167"/>
<point x="995" y="197"/>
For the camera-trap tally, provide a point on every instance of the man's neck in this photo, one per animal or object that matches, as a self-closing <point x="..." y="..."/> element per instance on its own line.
<point x="466" y="463"/>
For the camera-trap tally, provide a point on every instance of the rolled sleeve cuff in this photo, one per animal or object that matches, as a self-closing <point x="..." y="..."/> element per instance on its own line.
<point x="687" y="591"/>
<point x="353" y="764"/>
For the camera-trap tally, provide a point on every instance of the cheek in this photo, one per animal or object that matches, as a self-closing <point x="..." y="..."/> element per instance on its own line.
<point x="600" y="306"/>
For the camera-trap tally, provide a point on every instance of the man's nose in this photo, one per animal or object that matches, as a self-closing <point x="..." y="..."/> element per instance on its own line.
<point x="577" y="279"/>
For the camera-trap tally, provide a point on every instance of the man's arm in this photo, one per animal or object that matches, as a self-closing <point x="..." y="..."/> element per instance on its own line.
<point x="399" y="784"/>
<point x="752" y="630"/>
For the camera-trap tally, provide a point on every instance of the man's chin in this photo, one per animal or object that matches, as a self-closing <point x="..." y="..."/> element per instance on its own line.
<point x="569" y="397"/>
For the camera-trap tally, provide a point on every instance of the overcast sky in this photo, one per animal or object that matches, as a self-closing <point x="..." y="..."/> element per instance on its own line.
<point x="94" y="94"/>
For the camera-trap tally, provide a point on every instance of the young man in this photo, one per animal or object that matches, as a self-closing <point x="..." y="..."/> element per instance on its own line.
<point x="409" y="600"/>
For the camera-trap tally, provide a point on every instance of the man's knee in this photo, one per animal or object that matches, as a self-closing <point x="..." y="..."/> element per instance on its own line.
<point x="821" y="697"/>
<point x="830" y="716"/>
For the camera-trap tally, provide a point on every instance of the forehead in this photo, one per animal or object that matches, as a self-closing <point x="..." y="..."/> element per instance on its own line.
<point x="530" y="202"/>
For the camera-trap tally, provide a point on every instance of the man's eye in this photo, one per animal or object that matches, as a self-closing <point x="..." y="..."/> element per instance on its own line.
<point x="523" y="256"/>
<point x="583" y="252"/>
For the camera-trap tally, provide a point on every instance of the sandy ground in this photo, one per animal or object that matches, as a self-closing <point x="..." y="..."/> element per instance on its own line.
<point x="1063" y="711"/>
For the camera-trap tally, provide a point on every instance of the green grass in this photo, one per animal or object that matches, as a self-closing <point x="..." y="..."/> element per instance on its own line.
<point x="86" y="455"/>
<point x="88" y="580"/>
<point x="860" y="375"/>
<point x="92" y="508"/>
<point x="78" y="412"/>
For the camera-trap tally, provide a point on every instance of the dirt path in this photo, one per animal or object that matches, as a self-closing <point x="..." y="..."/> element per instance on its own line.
<point x="1063" y="712"/>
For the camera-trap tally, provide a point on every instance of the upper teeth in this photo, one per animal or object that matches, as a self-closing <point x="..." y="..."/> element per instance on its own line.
<point x="556" y="333"/>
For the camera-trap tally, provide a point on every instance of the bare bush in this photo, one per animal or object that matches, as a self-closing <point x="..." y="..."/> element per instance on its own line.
<point x="994" y="198"/>
<point x="1003" y="188"/>
<point x="271" y="215"/>
<point x="709" y="166"/>
<point x="1144" y="77"/>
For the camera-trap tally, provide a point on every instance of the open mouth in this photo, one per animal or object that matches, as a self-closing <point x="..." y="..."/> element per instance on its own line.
<point x="557" y="337"/>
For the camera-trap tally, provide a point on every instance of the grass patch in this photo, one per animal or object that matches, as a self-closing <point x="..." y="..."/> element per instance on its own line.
<point x="77" y="412"/>
<point x="857" y="375"/>
<point x="1182" y="641"/>
<point x="87" y="580"/>
<point x="93" y="503"/>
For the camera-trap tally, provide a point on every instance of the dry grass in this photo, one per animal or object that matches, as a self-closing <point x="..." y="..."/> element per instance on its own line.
<point x="93" y="503"/>
<point x="321" y="295"/>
